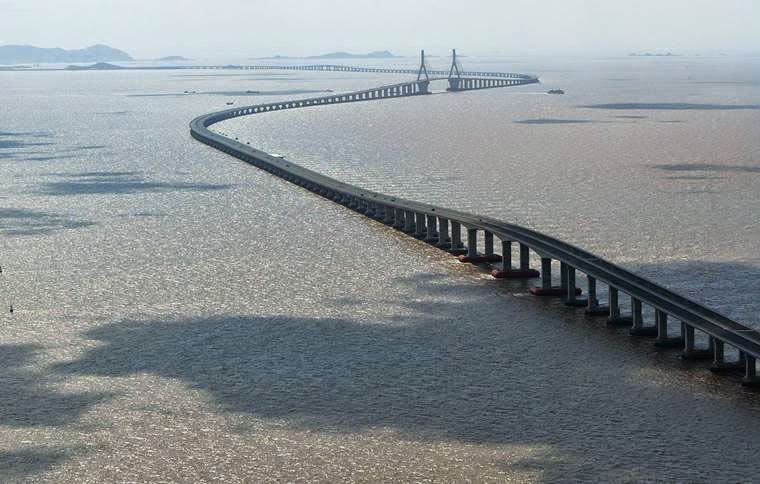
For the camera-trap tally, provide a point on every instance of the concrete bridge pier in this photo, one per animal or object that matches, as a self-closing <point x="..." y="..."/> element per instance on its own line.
<point x="719" y="364"/>
<point x="444" y="240"/>
<point x="637" y="321"/>
<point x="690" y="351"/>
<point x="432" y="229"/>
<point x="750" y="372"/>
<point x="472" y="243"/>
<point x="455" y="84"/>
<point x="408" y="222"/>
<point x="523" y="272"/>
<point x="399" y="219"/>
<point x="488" y="248"/>
<point x="423" y="87"/>
<point x="571" y="295"/>
<point x="546" y="273"/>
<point x="663" y="340"/>
<point x="457" y="248"/>
<point x="563" y="277"/>
<point x="379" y="210"/>
<point x="472" y="256"/>
<point x="390" y="216"/>
<point x="546" y="288"/>
<point x="420" y="231"/>
<point x="616" y="318"/>
<point x="593" y="308"/>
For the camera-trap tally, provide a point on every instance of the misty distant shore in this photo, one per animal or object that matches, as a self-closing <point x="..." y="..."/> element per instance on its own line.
<point x="378" y="54"/>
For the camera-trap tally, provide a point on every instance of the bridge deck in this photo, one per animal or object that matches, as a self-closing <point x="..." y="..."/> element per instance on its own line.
<point x="720" y="328"/>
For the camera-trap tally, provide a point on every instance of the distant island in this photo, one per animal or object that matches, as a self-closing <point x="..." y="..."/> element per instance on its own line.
<point x="653" y="54"/>
<point x="173" y="58"/>
<point x="18" y="54"/>
<point x="100" y="66"/>
<point x="378" y="54"/>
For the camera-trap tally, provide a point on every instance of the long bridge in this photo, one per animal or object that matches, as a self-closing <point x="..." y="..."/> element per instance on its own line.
<point x="677" y="319"/>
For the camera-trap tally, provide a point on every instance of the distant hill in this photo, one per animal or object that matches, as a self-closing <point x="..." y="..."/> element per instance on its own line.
<point x="379" y="54"/>
<point x="173" y="58"/>
<point x="18" y="54"/>
<point x="100" y="66"/>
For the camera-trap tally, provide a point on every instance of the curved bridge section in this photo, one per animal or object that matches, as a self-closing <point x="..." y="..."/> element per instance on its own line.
<point x="381" y="70"/>
<point x="443" y="227"/>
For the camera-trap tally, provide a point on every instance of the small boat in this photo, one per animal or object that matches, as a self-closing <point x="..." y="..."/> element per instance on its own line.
<point x="230" y="103"/>
<point x="556" y="91"/>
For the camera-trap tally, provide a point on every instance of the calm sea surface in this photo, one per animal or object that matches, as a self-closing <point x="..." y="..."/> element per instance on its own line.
<point x="183" y="316"/>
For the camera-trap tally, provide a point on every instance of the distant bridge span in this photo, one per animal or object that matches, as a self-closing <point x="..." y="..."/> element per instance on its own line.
<point x="442" y="227"/>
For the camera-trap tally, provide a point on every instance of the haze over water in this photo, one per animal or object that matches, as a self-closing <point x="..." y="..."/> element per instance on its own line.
<point x="184" y="316"/>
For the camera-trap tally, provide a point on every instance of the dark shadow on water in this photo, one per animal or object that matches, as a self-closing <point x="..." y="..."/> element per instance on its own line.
<point x="20" y="464"/>
<point x="117" y="183"/>
<point x="48" y="158"/>
<point x="447" y="370"/>
<point x="687" y="167"/>
<point x="696" y="177"/>
<point x="27" y="134"/>
<point x="27" y="400"/>
<point x="96" y="174"/>
<point x="13" y="144"/>
<point x="553" y="121"/>
<point x="22" y="222"/>
<point x="674" y="106"/>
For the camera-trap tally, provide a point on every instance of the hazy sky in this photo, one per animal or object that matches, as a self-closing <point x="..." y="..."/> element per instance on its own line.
<point x="244" y="28"/>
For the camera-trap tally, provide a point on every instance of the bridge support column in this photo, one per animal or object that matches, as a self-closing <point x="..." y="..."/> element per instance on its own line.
<point x="399" y="219"/>
<point x="571" y="298"/>
<point x="690" y="351"/>
<point x="593" y="308"/>
<point x="523" y="272"/>
<point x="423" y="87"/>
<point x="637" y="321"/>
<point x="506" y="256"/>
<point x="472" y="242"/>
<point x="379" y="211"/>
<point x="432" y="229"/>
<point x="444" y="240"/>
<point x="455" y="84"/>
<point x="663" y="340"/>
<point x="750" y="372"/>
<point x="615" y="317"/>
<point x="368" y="209"/>
<point x="420" y="225"/>
<point x="719" y="364"/>
<point x="390" y="216"/>
<point x="488" y="243"/>
<point x="408" y="222"/>
<point x="456" y="239"/>
<point x="546" y="273"/>
<point x="546" y="288"/>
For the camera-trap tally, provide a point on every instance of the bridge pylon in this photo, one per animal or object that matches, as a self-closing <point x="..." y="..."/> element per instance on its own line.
<point x="423" y="84"/>
<point x="455" y="73"/>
